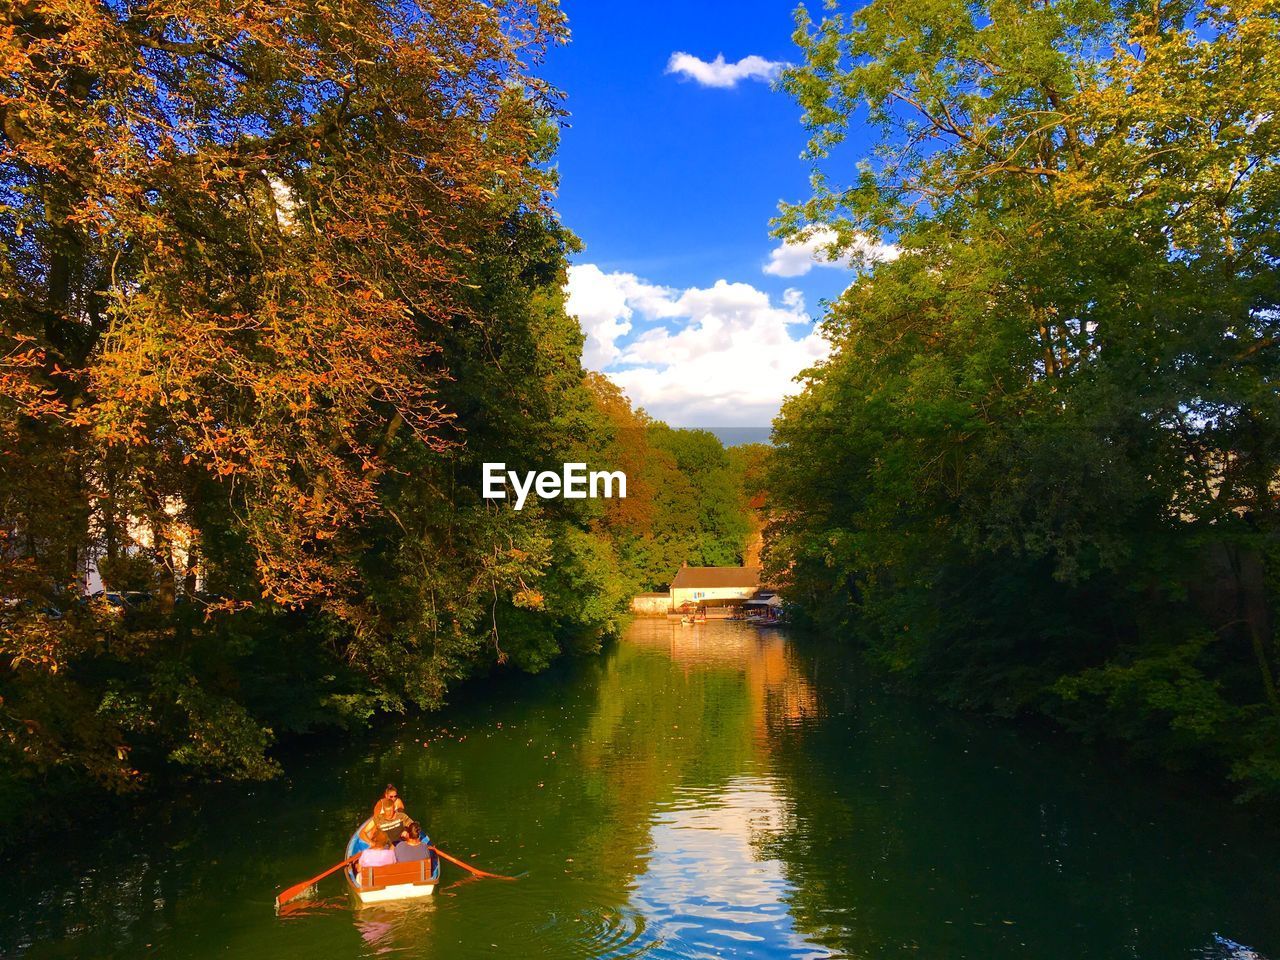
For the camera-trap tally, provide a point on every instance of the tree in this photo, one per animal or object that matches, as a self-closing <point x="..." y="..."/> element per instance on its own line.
<point x="1039" y="470"/>
<point x="235" y="240"/>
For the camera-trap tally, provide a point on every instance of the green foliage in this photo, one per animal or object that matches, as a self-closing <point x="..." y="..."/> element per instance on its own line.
<point x="701" y="512"/>
<point x="1039" y="471"/>
<point x="685" y="499"/>
<point x="1162" y="699"/>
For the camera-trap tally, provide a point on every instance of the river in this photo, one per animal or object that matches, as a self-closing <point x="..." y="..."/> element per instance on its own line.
<point x="714" y="791"/>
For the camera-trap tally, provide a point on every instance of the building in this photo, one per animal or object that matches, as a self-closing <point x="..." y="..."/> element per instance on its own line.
<point x="705" y="587"/>
<point x="651" y="604"/>
<point x="764" y="607"/>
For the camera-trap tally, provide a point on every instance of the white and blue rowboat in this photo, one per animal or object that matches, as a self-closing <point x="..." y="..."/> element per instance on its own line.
<point x="397" y="881"/>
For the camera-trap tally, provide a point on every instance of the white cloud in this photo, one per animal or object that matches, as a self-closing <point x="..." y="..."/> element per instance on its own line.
<point x="796" y="257"/>
<point x="725" y="359"/>
<point x="719" y="73"/>
<point x="604" y="304"/>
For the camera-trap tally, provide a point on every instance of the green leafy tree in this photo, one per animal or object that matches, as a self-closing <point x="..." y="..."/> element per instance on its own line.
<point x="1039" y="470"/>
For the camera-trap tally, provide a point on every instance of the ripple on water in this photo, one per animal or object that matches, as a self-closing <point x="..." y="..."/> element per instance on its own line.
<point x="610" y="932"/>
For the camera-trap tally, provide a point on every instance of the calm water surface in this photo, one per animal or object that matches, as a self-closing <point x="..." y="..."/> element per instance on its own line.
<point x="716" y="791"/>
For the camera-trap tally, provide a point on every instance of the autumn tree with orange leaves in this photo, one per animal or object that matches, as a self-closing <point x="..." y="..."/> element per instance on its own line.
<point x="234" y="237"/>
<point x="231" y="233"/>
<point x="276" y="281"/>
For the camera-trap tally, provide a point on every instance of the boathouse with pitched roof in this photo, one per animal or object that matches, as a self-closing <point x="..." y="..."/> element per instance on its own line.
<point x="714" y="586"/>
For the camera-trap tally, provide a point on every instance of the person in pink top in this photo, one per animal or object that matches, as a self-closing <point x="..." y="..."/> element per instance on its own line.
<point x="379" y="852"/>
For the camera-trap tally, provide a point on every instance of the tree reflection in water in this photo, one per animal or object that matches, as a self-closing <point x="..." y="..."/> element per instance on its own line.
<point x="710" y="791"/>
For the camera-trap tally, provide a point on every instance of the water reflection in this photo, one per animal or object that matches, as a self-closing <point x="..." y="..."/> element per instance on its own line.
<point x="694" y="792"/>
<point x="779" y="693"/>
<point x="393" y="927"/>
<point x="707" y="888"/>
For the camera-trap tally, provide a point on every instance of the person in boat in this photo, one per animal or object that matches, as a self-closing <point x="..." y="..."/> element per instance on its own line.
<point x="411" y="846"/>
<point x="388" y="815"/>
<point x="379" y="852"/>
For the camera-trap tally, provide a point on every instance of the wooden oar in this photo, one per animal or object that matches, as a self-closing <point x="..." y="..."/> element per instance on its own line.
<point x="298" y="888"/>
<point x="466" y="866"/>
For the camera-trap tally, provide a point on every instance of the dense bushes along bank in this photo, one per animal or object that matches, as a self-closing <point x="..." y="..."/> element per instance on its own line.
<point x="266" y="307"/>
<point x="1039" y="472"/>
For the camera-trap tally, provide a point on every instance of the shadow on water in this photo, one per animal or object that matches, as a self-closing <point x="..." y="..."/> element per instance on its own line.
<point x="694" y="792"/>
<point x="949" y="836"/>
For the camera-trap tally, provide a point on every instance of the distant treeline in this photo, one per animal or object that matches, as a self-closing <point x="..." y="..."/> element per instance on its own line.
<point x="272" y="288"/>
<point x="1038" y="473"/>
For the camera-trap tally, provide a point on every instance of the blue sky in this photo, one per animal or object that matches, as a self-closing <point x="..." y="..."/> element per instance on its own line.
<point x="671" y="184"/>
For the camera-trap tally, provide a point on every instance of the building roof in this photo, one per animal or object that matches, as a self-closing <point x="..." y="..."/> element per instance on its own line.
<point x="654" y="595"/>
<point x="701" y="578"/>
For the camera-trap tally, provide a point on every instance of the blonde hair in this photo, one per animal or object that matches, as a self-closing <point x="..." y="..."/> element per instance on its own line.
<point x="379" y="839"/>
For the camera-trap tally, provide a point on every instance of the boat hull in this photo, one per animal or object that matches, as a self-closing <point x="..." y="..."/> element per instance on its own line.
<point x="398" y="891"/>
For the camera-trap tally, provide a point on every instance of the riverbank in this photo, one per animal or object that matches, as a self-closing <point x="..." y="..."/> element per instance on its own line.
<point x="38" y="812"/>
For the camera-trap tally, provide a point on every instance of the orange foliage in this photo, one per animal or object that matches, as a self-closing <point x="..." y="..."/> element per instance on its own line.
<point x="238" y="227"/>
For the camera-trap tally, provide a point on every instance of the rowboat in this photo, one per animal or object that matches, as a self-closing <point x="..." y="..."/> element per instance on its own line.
<point x="397" y="881"/>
